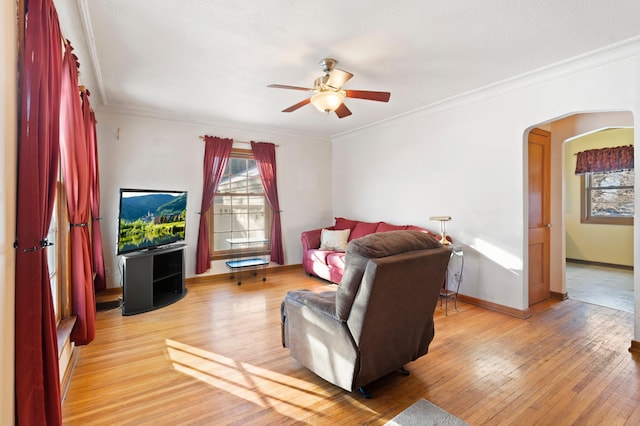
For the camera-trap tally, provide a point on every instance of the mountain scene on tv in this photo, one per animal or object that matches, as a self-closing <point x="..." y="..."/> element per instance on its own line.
<point x="151" y="219"/>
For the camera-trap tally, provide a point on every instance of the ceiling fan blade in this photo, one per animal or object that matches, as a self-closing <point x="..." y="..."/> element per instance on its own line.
<point x="369" y="95"/>
<point x="298" y="105"/>
<point x="337" y="78"/>
<point x="342" y="111"/>
<point x="282" y="86"/>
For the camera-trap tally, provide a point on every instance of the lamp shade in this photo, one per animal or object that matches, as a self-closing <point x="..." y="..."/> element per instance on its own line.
<point x="443" y="232"/>
<point x="327" y="101"/>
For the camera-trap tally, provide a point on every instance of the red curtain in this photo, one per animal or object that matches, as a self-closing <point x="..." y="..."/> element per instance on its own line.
<point x="265" y="156"/>
<point x="37" y="384"/>
<point x="216" y="156"/>
<point x="605" y="160"/>
<point x="75" y="166"/>
<point x="97" y="257"/>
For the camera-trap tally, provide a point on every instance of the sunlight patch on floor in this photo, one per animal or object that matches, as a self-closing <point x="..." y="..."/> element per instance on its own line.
<point x="254" y="384"/>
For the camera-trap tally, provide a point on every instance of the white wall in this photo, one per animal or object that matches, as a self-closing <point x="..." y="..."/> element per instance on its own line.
<point x="8" y="132"/>
<point x="465" y="157"/>
<point x="161" y="154"/>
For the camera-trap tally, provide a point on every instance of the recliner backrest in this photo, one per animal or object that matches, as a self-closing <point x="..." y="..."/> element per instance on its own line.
<point x="374" y="246"/>
<point x="391" y="320"/>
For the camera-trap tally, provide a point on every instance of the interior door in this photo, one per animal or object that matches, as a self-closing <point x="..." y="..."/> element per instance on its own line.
<point x="539" y="199"/>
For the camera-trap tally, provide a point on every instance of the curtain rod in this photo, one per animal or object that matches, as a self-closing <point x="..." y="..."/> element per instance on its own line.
<point x="235" y="141"/>
<point x="597" y="149"/>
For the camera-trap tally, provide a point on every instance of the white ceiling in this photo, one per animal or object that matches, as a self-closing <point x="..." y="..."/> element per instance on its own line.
<point x="210" y="61"/>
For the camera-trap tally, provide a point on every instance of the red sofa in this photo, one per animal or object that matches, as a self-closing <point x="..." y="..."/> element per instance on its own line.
<point x="329" y="264"/>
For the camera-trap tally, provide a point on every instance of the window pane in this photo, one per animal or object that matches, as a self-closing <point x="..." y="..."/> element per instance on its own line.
<point x="221" y="213"/>
<point x="239" y="223"/>
<point x="220" y="242"/>
<point x="239" y="204"/>
<point x="254" y="185"/>
<point x="223" y="185"/>
<point x="238" y="178"/>
<point x="623" y="178"/>
<point x="238" y="166"/>
<point x="51" y="237"/>
<point x="54" y="293"/>
<point x="52" y="260"/>
<point x="51" y="257"/>
<point x="612" y="202"/>
<point x="256" y="213"/>
<point x="221" y="222"/>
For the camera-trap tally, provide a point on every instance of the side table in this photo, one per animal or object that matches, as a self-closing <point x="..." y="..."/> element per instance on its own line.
<point x="253" y="264"/>
<point x="454" y="274"/>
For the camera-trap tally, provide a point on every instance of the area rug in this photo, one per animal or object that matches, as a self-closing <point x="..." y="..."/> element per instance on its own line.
<point x="424" y="413"/>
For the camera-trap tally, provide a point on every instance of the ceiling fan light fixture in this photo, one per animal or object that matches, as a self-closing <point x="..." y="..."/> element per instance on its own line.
<point x="327" y="101"/>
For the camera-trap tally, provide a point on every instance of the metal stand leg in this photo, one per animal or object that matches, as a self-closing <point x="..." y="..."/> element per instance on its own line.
<point x="364" y="392"/>
<point x="456" y="251"/>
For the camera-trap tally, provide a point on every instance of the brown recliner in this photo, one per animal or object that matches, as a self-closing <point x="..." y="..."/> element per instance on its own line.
<point x="380" y="317"/>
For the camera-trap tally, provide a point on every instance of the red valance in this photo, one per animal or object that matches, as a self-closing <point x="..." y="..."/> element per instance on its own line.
<point x="605" y="160"/>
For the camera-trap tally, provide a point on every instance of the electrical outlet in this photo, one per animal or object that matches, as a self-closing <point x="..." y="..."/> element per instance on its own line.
<point x="107" y="270"/>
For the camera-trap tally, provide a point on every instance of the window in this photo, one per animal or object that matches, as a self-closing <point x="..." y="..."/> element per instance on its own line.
<point x="608" y="198"/>
<point x="52" y="260"/>
<point x="57" y="255"/>
<point x="240" y="208"/>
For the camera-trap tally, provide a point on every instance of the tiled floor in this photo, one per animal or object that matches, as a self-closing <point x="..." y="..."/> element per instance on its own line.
<point x="600" y="285"/>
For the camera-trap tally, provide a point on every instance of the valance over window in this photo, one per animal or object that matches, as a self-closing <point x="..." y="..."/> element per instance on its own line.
<point x="605" y="160"/>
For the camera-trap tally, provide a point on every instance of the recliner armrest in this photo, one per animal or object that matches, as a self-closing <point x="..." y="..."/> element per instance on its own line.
<point x="322" y="302"/>
<point x="317" y="339"/>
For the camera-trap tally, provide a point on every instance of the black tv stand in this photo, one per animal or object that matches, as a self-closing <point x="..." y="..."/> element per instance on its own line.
<point x="153" y="279"/>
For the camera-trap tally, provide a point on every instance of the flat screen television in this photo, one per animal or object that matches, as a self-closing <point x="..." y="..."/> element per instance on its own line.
<point x="150" y="218"/>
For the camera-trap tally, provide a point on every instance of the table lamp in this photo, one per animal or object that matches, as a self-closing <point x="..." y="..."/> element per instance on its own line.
<point x="443" y="232"/>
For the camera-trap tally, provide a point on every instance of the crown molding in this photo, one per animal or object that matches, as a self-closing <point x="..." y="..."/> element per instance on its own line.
<point x="207" y="123"/>
<point x="590" y="60"/>
<point x="83" y="10"/>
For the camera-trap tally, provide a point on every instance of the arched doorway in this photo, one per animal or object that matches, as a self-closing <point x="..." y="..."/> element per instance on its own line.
<point x="563" y="129"/>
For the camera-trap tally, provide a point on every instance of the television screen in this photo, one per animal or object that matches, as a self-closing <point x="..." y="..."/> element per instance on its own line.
<point x="150" y="218"/>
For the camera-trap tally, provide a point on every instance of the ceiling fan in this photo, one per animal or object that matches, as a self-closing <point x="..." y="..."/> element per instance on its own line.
<point x="328" y="95"/>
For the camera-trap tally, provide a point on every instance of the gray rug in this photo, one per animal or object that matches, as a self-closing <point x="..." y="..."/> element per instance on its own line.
<point x="424" y="413"/>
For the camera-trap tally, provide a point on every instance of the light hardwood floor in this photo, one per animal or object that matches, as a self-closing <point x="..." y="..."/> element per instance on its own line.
<point x="215" y="358"/>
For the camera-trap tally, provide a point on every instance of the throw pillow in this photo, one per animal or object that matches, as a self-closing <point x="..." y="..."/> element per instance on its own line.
<point x="334" y="240"/>
<point x="364" y="228"/>
<point x="385" y="227"/>
<point x="342" y="223"/>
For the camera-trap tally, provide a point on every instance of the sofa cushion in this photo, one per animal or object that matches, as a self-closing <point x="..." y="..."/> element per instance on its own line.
<point x="335" y="259"/>
<point x="320" y="256"/>
<point x="362" y="229"/>
<point x="386" y="227"/>
<point x="342" y="223"/>
<point x="334" y="240"/>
